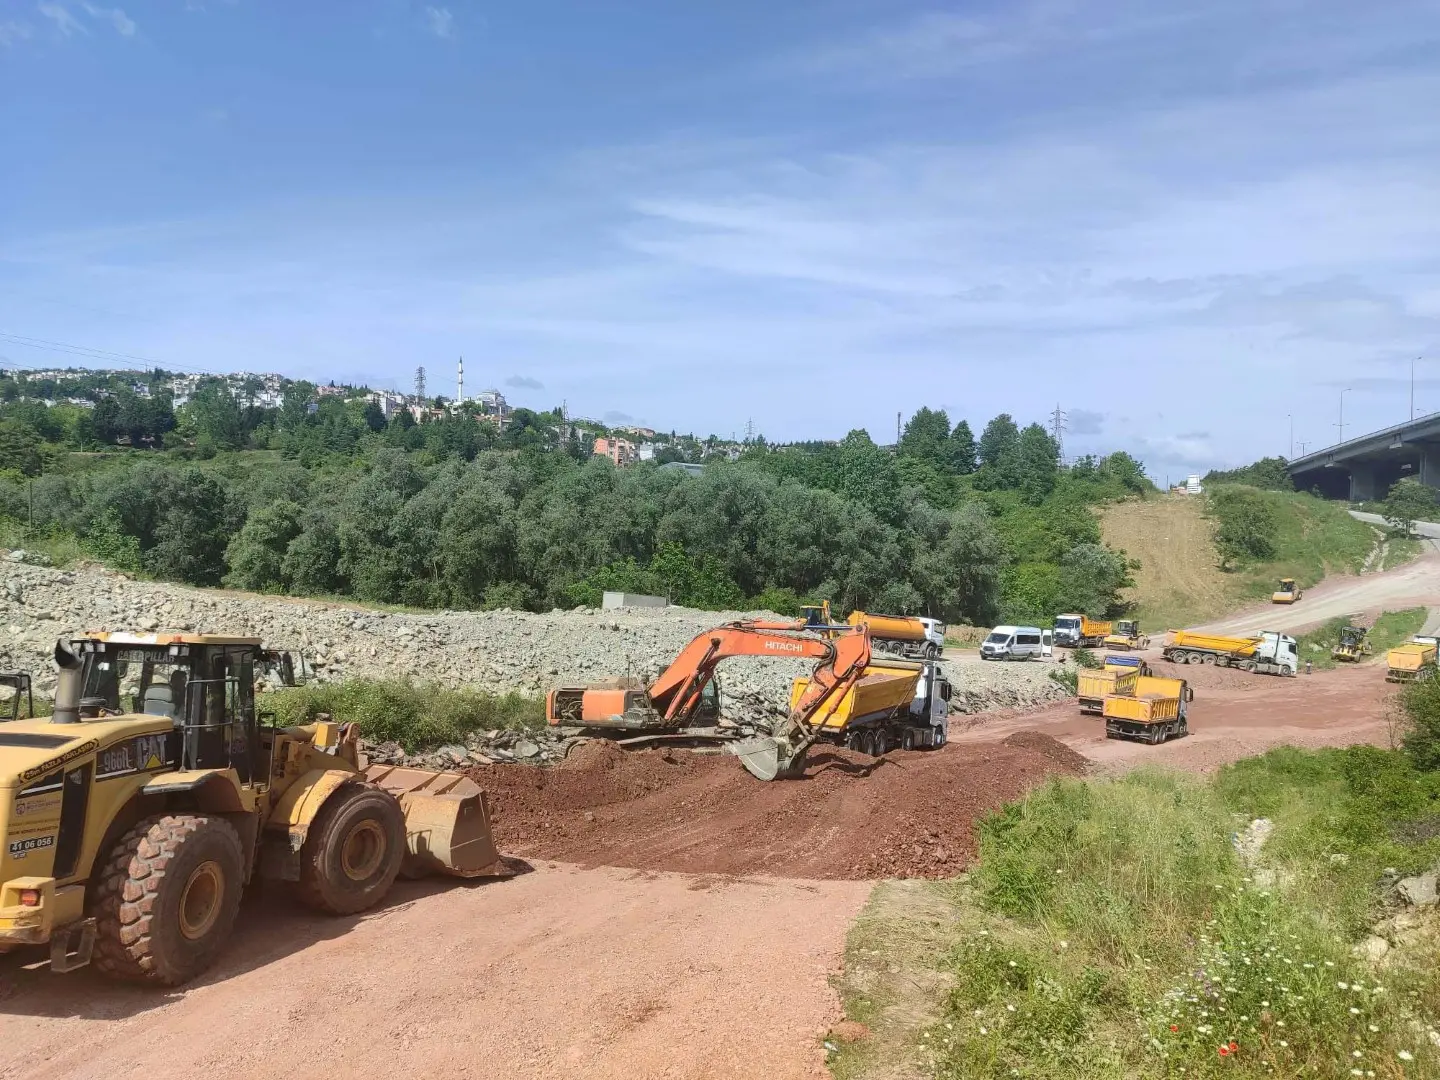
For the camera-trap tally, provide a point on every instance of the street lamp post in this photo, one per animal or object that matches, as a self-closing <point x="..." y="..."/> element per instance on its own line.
<point x="1341" y="425"/>
<point x="1291" y="417"/>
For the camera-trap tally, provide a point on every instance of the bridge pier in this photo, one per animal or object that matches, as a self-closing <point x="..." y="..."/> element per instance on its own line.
<point x="1429" y="465"/>
<point x="1362" y="481"/>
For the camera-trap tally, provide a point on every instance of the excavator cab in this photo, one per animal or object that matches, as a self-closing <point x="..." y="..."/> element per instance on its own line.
<point x="1353" y="644"/>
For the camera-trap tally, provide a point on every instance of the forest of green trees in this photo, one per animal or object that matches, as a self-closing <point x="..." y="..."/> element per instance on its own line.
<point x="331" y="500"/>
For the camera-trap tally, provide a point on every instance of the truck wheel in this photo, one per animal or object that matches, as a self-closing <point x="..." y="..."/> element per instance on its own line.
<point x="352" y="851"/>
<point x="1209" y="660"/>
<point x="882" y="742"/>
<point x="907" y="739"/>
<point x="167" y="898"/>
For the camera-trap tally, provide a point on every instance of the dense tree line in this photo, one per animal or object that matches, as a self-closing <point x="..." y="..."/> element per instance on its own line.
<point x="454" y="513"/>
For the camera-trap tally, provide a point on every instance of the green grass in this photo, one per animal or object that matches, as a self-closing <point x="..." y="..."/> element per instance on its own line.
<point x="62" y="550"/>
<point x="1110" y="930"/>
<point x="1313" y="538"/>
<point x="417" y="716"/>
<point x="1390" y="629"/>
<point x="1401" y="550"/>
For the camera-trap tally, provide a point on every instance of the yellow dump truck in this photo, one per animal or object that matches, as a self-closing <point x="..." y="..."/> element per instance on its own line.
<point x="1411" y="661"/>
<point x="1267" y="652"/>
<point x="1117" y="677"/>
<point x="1080" y="631"/>
<point x="1154" y="712"/>
<point x="897" y="703"/>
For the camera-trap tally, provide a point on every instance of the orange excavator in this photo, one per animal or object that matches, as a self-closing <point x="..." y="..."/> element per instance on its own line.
<point x="685" y="694"/>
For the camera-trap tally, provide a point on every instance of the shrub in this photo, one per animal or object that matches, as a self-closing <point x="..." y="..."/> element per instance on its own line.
<point x="417" y="716"/>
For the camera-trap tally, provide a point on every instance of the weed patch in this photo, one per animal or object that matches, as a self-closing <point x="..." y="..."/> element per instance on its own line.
<point x="417" y="716"/>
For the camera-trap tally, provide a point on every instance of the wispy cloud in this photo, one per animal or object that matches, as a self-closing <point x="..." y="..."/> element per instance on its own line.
<point x="1086" y="422"/>
<point x="12" y="31"/>
<point x="60" y="15"/>
<point x="123" y="24"/>
<point x="440" y="22"/>
<point x="524" y="382"/>
<point x="614" y="416"/>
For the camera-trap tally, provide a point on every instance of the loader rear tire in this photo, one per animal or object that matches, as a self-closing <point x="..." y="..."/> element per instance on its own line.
<point x="167" y="899"/>
<point x="352" y="851"/>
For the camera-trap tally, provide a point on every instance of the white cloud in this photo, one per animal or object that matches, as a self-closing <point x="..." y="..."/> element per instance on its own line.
<point x="440" y="22"/>
<point x="524" y="382"/>
<point x="124" y="25"/>
<point x="60" y="15"/>
<point x="12" y="31"/>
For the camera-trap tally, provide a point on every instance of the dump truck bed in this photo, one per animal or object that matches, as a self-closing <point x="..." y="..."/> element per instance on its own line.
<point x="1093" y="687"/>
<point x="882" y="691"/>
<point x="1406" y="662"/>
<point x="1189" y="639"/>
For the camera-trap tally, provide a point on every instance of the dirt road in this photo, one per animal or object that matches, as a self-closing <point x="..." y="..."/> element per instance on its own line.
<point x="558" y="973"/>
<point x="1416" y="584"/>
<point x="1234" y="715"/>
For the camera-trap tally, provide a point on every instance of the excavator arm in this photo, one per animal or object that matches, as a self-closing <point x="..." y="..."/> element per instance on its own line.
<point x="676" y="692"/>
<point x="783" y="752"/>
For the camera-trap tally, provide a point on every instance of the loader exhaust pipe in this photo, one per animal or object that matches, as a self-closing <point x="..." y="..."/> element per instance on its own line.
<point x="67" y="686"/>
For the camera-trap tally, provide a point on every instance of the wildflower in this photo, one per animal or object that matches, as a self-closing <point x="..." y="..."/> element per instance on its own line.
<point x="1354" y="1011"/>
<point x="1012" y="964"/>
<point x="1355" y="1053"/>
<point x="1234" y="1046"/>
<point x="1264" y="1004"/>
<point x="1405" y="1055"/>
<point x="1009" y="1008"/>
<point x="1374" y="1028"/>
<point x="1341" y="985"/>
<point x="984" y="1032"/>
<point x="1224" y="1051"/>
<point x="1176" y="1027"/>
<point x="1283" y="1043"/>
<point x="1329" y="963"/>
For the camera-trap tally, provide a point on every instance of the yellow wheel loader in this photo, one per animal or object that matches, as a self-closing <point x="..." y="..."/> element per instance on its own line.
<point x="133" y="817"/>
<point x="1353" y="646"/>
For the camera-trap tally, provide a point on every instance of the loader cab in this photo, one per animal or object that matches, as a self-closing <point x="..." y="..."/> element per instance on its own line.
<point x="205" y="685"/>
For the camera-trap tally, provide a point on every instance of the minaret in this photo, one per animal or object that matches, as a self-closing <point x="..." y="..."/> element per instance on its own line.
<point x="460" y="381"/>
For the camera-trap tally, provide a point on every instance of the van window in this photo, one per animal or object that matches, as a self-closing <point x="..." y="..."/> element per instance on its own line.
<point x="1027" y="639"/>
<point x="997" y="639"/>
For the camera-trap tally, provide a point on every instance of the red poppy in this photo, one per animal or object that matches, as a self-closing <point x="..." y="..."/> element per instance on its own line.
<point x="1174" y="1027"/>
<point x="1234" y="1046"/>
<point x="1224" y="1050"/>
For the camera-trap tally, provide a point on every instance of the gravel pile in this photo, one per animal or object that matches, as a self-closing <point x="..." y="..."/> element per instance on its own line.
<point x="497" y="651"/>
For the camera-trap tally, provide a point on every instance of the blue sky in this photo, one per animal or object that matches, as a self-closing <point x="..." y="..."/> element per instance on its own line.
<point x="1182" y="222"/>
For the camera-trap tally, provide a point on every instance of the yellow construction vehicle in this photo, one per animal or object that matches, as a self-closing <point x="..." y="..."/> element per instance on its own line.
<point x="1354" y="645"/>
<point x="1287" y="593"/>
<point x="133" y="816"/>
<point x="1125" y="634"/>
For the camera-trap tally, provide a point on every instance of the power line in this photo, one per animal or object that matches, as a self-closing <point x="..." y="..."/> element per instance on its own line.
<point x="71" y="349"/>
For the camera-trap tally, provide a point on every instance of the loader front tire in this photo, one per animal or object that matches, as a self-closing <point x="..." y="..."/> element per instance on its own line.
<point x="167" y="898"/>
<point x="352" y="851"/>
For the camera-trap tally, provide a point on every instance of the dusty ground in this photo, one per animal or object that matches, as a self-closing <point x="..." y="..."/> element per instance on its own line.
<point x="558" y="973"/>
<point x="905" y="815"/>
<point x="1234" y="715"/>
<point x="1415" y="584"/>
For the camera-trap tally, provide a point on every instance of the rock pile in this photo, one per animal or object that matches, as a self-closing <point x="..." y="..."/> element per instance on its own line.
<point x="498" y="651"/>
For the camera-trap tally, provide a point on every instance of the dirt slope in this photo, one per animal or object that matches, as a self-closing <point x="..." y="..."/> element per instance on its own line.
<point x="1177" y="582"/>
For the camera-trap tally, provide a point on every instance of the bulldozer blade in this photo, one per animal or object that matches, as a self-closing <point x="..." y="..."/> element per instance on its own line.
<point x="447" y="823"/>
<point x="769" y="758"/>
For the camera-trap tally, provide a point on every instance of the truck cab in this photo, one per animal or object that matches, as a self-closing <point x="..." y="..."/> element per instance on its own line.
<point x="931" y="706"/>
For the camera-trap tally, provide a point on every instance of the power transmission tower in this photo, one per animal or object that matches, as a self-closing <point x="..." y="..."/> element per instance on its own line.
<point x="749" y="430"/>
<point x="420" y="385"/>
<point x="897" y="430"/>
<point x="1057" y="430"/>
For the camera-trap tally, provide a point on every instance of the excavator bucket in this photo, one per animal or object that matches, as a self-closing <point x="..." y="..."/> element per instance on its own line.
<point x="768" y="757"/>
<point x="447" y="823"/>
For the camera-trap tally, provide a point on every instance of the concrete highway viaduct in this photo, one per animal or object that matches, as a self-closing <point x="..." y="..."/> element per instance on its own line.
<point x="1364" y="468"/>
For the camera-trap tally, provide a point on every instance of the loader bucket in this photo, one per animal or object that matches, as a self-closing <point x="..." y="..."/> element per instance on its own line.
<point x="447" y="823"/>
<point x="770" y="758"/>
